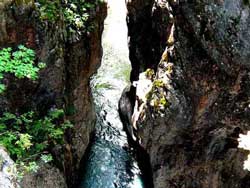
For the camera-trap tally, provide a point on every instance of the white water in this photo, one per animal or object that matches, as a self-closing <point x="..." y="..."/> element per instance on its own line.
<point x="109" y="164"/>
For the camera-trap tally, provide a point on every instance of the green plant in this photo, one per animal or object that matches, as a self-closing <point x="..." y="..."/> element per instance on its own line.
<point x="28" y="137"/>
<point x="158" y="83"/>
<point x="75" y="12"/>
<point x="163" y="101"/>
<point x="75" y="20"/>
<point x="49" y="10"/>
<point x="20" y="63"/>
<point x="150" y="73"/>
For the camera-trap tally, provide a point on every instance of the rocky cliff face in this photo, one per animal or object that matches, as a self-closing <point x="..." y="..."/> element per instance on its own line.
<point x="70" y="60"/>
<point x="7" y="170"/>
<point x="198" y="101"/>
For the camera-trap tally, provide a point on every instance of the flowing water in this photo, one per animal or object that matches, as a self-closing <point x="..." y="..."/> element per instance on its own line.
<point x="109" y="163"/>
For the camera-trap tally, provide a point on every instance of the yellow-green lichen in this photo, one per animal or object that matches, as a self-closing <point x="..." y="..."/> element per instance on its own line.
<point x="163" y="101"/>
<point x="158" y="83"/>
<point x="150" y="73"/>
<point x="169" y="68"/>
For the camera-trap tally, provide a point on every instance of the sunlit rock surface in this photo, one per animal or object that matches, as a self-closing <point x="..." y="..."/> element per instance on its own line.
<point x="244" y="143"/>
<point x="8" y="173"/>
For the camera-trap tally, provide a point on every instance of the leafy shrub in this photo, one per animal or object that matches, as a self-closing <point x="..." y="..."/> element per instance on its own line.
<point x="20" y="63"/>
<point x="75" y="12"/>
<point x="28" y="138"/>
<point x="49" y="10"/>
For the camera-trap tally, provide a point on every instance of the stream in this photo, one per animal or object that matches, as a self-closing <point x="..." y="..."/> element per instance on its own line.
<point x="110" y="162"/>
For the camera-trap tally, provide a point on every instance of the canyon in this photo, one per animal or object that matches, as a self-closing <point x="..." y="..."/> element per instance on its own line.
<point x="185" y="102"/>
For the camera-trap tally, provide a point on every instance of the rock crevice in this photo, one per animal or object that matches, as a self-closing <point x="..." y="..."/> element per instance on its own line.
<point x="70" y="61"/>
<point x="198" y="103"/>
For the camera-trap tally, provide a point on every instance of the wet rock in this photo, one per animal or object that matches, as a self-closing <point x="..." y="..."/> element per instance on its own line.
<point x="125" y="107"/>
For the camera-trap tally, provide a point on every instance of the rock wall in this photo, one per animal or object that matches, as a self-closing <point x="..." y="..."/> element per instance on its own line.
<point x="199" y="100"/>
<point x="70" y="61"/>
<point x="7" y="170"/>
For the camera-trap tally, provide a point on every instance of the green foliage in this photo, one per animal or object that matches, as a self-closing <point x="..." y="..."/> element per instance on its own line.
<point x="74" y="19"/>
<point x="75" y="12"/>
<point x="49" y="10"/>
<point x="28" y="138"/>
<point x="46" y="158"/>
<point x="20" y="63"/>
<point x="157" y="97"/>
<point x="163" y="102"/>
<point x="158" y="83"/>
<point x="150" y="73"/>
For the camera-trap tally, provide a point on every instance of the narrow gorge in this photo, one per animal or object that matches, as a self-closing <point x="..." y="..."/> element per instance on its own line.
<point x="110" y="161"/>
<point x="124" y="94"/>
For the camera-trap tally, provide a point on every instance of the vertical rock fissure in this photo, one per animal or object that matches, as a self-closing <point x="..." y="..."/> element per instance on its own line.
<point x="71" y="57"/>
<point x="110" y="162"/>
<point x="197" y="104"/>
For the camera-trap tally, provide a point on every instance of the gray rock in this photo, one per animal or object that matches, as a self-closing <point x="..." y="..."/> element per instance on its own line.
<point x="7" y="171"/>
<point x="47" y="176"/>
<point x="192" y="141"/>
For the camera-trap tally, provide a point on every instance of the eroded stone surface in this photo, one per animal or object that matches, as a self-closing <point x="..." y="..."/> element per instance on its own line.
<point x="7" y="170"/>
<point x="192" y="141"/>
<point x="47" y="176"/>
<point x="70" y="61"/>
